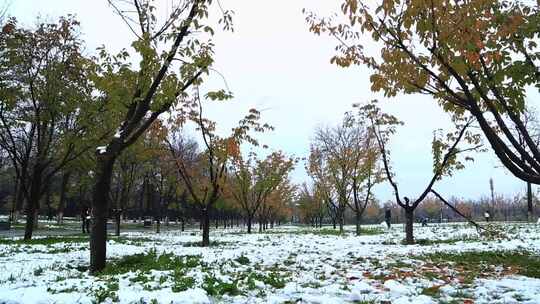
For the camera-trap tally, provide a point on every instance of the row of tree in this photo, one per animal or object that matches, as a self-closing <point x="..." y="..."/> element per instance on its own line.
<point x="105" y="131"/>
<point x="63" y="112"/>
<point x="311" y="210"/>
<point x="479" y="60"/>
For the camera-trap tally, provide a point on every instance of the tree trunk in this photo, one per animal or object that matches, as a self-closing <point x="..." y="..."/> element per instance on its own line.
<point x="18" y="200"/>
<point x="62" y="202"/>
<point x="118" y="216"/>
<point x="48" y="202"/>
<point x="100" y="202"/>
<point x="183" y="224"/>
<point x="358" y="221"/>
<point x="341" y="220"/>
<point x="530" y="210"/>
<point x="36" y="218"/>
<point x="249" y="220"/>
<point x="409" y="221"/>
<point x="206" y="227"/>
<point x="32" y="206"/>
<point x="16" y="216"/>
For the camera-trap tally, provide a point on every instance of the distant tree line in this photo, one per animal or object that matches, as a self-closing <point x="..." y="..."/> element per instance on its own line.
<point x="314" y="212"/>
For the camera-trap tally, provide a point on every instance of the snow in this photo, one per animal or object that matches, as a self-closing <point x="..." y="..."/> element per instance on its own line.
<point x="397" y="289"/>
<point x="192" y="296"/>
<point x="516" y="289"/>
<point x="314" y="268"/>
<point x="101" y="149"/>
<point x="118" y="133"/>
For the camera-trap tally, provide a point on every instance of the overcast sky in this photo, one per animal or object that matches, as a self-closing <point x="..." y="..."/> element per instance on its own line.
<point x="271" y="62"/>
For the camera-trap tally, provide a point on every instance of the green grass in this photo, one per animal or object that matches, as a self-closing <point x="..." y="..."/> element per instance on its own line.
<point x="217" y="287"/>
<point x="212" y="244"/>
<point x="371" y="231"/>
<point x="427" y="242"/>
<point x="242" y="260"/>
<point x="321" y="231"/>
<point x="271" y="277"/>
<point x="144" y="262"/>
<point x="38" y="271"/>
<point x="46" y="240"/>
<point x="181" y="282"/>
<point x="526" y="263"/>
<point x="110" y="290"/>
<point x="303" y="231"/>
<point x="73" y="238"/>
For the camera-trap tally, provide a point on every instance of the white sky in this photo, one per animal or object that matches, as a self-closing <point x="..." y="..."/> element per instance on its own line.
<point x="271" y="62"/>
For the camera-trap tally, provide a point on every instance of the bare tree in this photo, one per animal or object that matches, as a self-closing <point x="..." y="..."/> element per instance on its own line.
<point x="205" y="183"/>
<point x="333" y="157"/>
<point x="445" y="156"/>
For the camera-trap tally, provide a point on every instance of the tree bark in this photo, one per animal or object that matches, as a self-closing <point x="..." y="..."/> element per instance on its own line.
<point x="249" y="220"/>
<point x="206" y="227"/>
<point x="358" y="222"/>
<point x="48" y="202"/>
<point x="62" y="202"/>
<point x="32" y="205"/>
<point x="341" y="220"/>
<point x="18" y="201"/>
<point x="409" y="221"/>
<point x="530" y="210"/>
<point x="100" y="202"/>
<point x="118" y="216"/>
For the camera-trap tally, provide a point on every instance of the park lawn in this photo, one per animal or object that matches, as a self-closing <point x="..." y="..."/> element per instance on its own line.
<point x="451" y="264"/>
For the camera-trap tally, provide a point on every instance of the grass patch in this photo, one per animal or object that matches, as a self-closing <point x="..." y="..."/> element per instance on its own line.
<point x="273" y="279"/>
<point x="38" y="271"/>
<point x="217" y="287"/>
<point x="199" y="244"/>
<point x="321" y="231"/>
<point x="110" y="290"/>
<point x="144" y="262"/>
<point x="242" y="260"/>
<point x="427" y="242"/>
<point x="75" y="238"/>
<point x="525" y="263"/>
<point x="371" y="231"/>
<point x="181" y="282"/>
<point x="327" y="231"/>
<point x="46" y="240"/>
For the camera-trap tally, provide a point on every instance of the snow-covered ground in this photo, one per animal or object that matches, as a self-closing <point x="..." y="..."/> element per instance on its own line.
<point x="286" y="265"/>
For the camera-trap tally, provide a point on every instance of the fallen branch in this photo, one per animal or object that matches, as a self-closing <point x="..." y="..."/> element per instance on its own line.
<point x="478" y="227"/>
